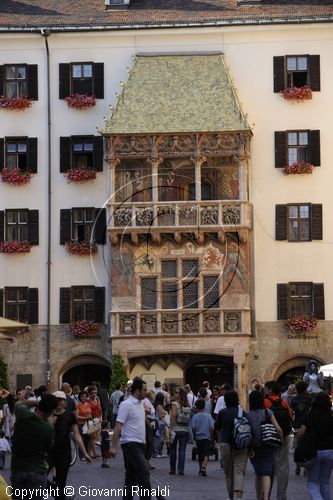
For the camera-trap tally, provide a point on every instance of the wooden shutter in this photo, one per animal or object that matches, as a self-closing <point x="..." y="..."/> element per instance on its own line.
<point x="2" y="153"/>
<point x="64" y="80"/>
<point x="282" y="300"/>
<point x="65" y="154"/>
<point x="318" y="300"/>
<point x="316" y="222"/>
<point x="2" y="75"/>
<point x="314" y="68"/>
<point x="280" y="149"/>
<point x="281" y="222"/>
<point x="100" y="226"/>
<point x="65" y="225"/>
<point x="33" y="227"/>
<point x="33" y="305"/>
<point x="1" y="302"/>
<point x="32" y="155"/>
<point x="65" y="305"/>
<point x="98" y="76"/>
<point x="279" y="76"/>
<point x="98" y="154"/>
<point x="2" y="225"/>
<point x="99" y="304"/>
<point x="32" y="81"/>
<point x="314" y="146"/>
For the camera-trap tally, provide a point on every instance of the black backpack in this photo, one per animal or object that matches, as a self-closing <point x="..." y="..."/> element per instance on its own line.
<point x="281" y="413"/>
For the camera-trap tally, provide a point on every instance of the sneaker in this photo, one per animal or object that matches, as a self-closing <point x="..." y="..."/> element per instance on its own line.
<point x="203" y="471"/>
<point x="105" y="466"/>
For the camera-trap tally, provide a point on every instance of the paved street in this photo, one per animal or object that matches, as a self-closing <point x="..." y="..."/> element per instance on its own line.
<point x="188" y="487"/>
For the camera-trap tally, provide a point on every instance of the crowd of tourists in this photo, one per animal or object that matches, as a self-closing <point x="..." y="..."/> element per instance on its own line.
<point x="36" y="428"/>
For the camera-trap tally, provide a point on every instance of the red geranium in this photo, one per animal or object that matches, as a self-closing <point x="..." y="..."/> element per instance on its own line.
<point x="300" y="167"/>
<point x="297" y="93"/>
<point x="15" y="103"/>
<point x="300" y="323"/>
<point x="15" y="246"/>
<point x="16" y="176"/>
<point x="80" y="175"/>
<point x="80" y="101"/>
<point x="83" y="328"/>
<point x="81" y="247"/>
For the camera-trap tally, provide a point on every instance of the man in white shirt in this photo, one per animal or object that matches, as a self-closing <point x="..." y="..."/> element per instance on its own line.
<point x="220" y="404"/>
<point x="130" y="427"/>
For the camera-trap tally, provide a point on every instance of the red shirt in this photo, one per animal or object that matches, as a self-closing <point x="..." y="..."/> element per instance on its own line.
<point x="274" y="397"/>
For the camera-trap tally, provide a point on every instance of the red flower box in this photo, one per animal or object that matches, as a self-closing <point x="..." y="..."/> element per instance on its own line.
<point x="80" y="101"/>
<point x="15" y="103"/>
<point x="83" y="328"/>
<point x="302" y="323"/>
<point x="300" y="167"/>
<point x="15" y="246"/>
<point x="80" y="175"/>
<point x="297" y="93"/>
<point x="81" y="247"/>
<point x="16" y="177"/>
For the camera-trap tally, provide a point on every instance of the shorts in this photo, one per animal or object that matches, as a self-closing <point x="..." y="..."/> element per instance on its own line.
<point x="203" y="446"/>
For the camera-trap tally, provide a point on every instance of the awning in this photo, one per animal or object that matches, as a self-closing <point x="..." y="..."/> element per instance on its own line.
<point x="177" y="93"/>
<point x="327" y="370"/>
<point x="8" y="326"/>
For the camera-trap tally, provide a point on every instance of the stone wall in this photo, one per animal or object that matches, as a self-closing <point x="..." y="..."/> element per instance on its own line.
<point x="27" y="353"/>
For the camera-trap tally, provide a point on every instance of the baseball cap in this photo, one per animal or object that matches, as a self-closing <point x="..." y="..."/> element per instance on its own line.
<point x="59" y="395"/>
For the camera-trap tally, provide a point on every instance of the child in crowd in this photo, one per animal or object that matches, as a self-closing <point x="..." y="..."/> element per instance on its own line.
<point x="4" y="448"/>
<point x="202" y="427"/>
<point x="105" y="443"/>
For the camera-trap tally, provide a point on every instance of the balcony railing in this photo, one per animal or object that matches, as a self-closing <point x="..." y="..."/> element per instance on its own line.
<point x="178" y="322"/>
<point x="205" y="215"/>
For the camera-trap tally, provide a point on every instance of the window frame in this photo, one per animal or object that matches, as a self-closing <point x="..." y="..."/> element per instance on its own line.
<point x="85" y="223"/>
<point x="299" y="219"/>
<point x="17" y="224"/>
<point x="83" y="301"/>
<point x="18" y="317"/>
<point x="287" y="72"/>
<point x="89" y="154"/>
<point x="298" y="146"/>
<point x="81" y="78"/>
<point x="17" y="140"/>
<point x="300" y="298"/>
<point x="16" y="79"/>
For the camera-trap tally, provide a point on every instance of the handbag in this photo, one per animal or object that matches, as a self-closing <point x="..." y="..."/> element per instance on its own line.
<point x="269" y="434"/>
<point x="91" y="426"/>
<point x="306" y="451"/>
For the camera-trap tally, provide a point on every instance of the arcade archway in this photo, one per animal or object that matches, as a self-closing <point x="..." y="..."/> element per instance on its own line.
<point x="293" y="370"/>
<point x="83" y="370"/>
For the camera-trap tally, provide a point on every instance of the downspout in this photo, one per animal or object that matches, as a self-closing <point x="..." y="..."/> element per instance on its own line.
<point x="46" y="34"/>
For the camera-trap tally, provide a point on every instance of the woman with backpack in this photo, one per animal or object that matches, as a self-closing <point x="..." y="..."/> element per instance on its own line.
<point x="261" y="455"/>
<point x="233" y="456"/>
<point x="180" y="416"/>
<point x="319" y="422"/>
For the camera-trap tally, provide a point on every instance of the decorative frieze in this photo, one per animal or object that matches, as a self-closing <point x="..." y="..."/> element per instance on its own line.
<point x="169" y="324"/>
<point x="122" y="217"/>
<point x="231" y="214"/>
<point x="187" y="216"/>
<point x="190" y="323"/>
<point x="127" y="324"/>
<point x="148" y="324"/>
<point x="144" y="216"/>
<point x="209" y="215"/>
<point x="166" y="216"/>
<point x="232" y="322"/>
<point x="211" y="322"/>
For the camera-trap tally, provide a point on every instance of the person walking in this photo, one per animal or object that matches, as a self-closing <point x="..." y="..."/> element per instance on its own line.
<point x="4" y="449"/>
<point x="115" y="401"/>
<point x="104" y="399"/>
<point x="202" y="426"/>
<point x="261" y="455"/>
<point x="220" y="403"/>
<point x="300" y="405"/>
<point x="131" y="429"/>
<point x="179" y="430"/>
<point x="96" y="412"/>
<point x="284" y="418"/>
<point x="319" y="422"/>
<point x="105" y="444"/>
<point x="32" y="440"/>
<point x="234" y="459"/>
<point x="83" y="414"/>
<point x="9" y="416"/>
<point x="71" y="405"/>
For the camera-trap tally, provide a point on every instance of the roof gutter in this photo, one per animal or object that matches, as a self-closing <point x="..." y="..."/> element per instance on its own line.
<point x="196" y="24"/>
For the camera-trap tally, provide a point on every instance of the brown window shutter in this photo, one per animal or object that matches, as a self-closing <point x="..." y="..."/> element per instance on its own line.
<point x="314" y="145"/>
<point x="282" y="300"/>
<point x="281" y="222"/>
<point x="98" y="154"/>
<point x="100" y="226"/>
<point x="1" y="79"/>
<point x="32" y="155"/>
<point x="65" y="225"/>
<point x="1" y="302"/>
<point x="280" y="149"/>
<point x="33" y="305"/>
<point x="2" y="225"/>
<point x="99" y="304"/>
<point x="314" y="67"/>
<point x="318" y="300"/>
<point x="98" y="78"/>
<point x="33" y="227"/>
<point x="316" y="222"/>
<point x="279" y="76"/>
<point x="64" y="80"/>
<point x="65" y="305"/>
<point x="65" y="154"/>
<point x="32" y="81"/>
<point x="2" y="154"/>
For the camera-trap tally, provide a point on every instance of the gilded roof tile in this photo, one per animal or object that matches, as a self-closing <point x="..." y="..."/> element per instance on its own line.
<point x="177" y="93"/>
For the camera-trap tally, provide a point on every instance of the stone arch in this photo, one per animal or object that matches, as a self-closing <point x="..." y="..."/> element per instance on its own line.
<point x="84" y="358"/>
<point x="290" y="363"/>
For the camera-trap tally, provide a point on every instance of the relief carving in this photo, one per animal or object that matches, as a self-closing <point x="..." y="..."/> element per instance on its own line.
<point x="232" y="322"/>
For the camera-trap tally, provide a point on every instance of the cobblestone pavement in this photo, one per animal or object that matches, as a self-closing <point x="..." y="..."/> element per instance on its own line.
<point x="187" y="487"/>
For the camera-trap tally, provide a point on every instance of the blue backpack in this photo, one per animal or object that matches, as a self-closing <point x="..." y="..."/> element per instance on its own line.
<point x="242" y="435"/>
